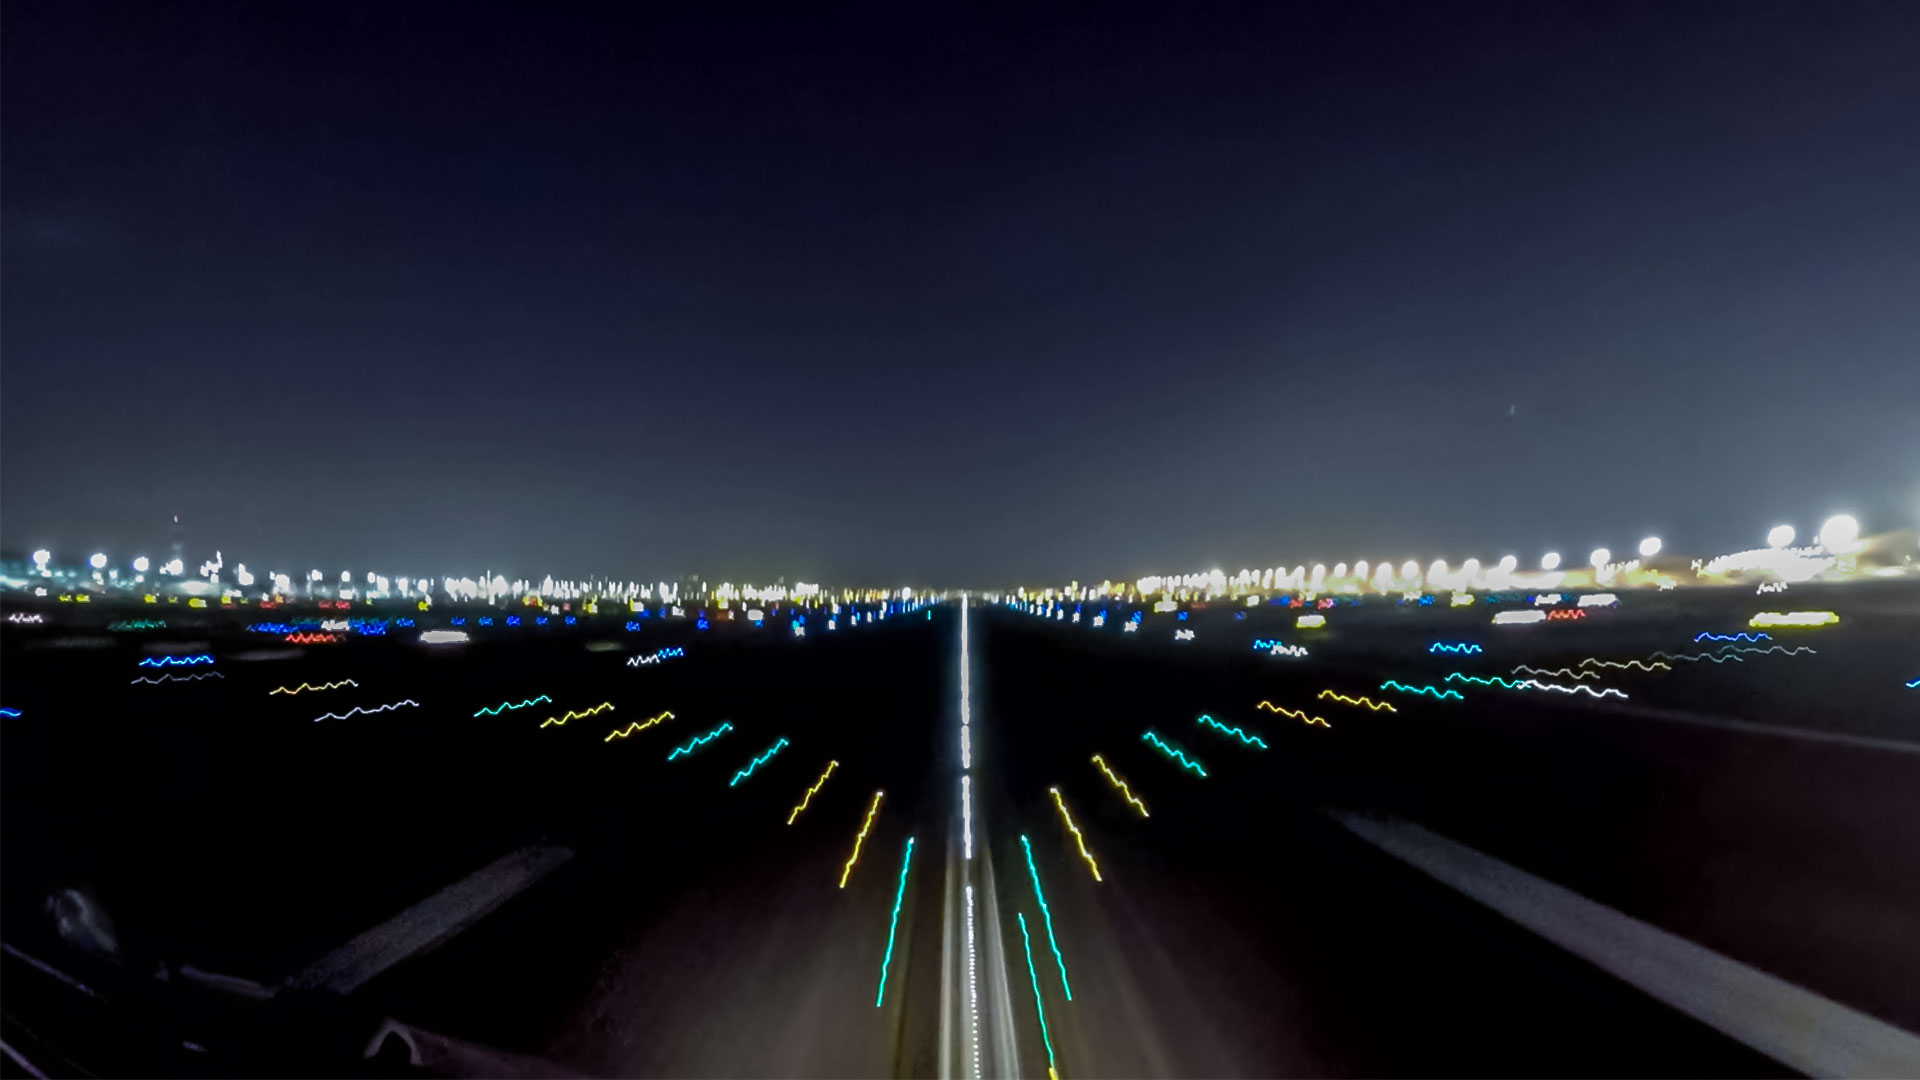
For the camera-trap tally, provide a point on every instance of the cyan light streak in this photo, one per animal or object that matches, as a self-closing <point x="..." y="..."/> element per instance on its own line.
<point x="1033" y="976"/>
<point x="1464" y="647"/>
<point x="176" y="661"/>
<point x="496" y="710"/>
<point x="1047" y="914"/>
<point x="701" y="740"/>
<point x="1742" y="636"/>
<point x="759" y="761"/>
<point x="1173" y="752"/>
<point x="1245" y="739"/>
<point x="1436" y="694"/>
<point x="906" y="863"/>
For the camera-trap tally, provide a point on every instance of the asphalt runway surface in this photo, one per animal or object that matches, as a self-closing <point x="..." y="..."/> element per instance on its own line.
<point x="549" y="900"/>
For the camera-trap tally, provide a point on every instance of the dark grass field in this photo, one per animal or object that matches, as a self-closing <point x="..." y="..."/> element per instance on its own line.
<point x="1239" y="931"/>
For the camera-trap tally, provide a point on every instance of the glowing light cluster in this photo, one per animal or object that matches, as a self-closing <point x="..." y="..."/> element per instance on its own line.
<point x="178" y="678"/>
<point x="1245" y="739"/>
<point x="1183" y="635"/>
<point x="699" y="741"/>
<point x="906" y="863"/>
<point x="1742" y="636"/>
<point x="1519" y="618"/>
<point x="1061" y="805"/>
<point x="176" y="661"/>
<point x="359" y="710"/>
<point x="1297" y="714"/>
<point x="443" y="637"/>
<point x="1802" y="619"/>
<point x="1310" y="622"/>
<point x="505" y="705"/>
<point x="1366" y="703"/>
<point x="1173" y="752"/>
<point x="27" y="618"/>
<point x="1430" y="691"/>
<point x="759" y="761"/>
<point x="1120" y="784"/>
<point x="304" y="687"/>
<point x="1465" y="647"/>
<point x="872" y="809"/>
<point x="1604" y="599"/>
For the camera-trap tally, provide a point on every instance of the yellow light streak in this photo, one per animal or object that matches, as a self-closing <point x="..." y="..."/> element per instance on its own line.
<point x="831" y="765"/>
<point x="1371" y="705"/>
<point x="571" y="715"/>
<point x="634" y="728"/>
<point x="1114" y="779"/>
<point x="1061" y="805"/>
<point x="862" y="838"/>
<point x="304" y="686"/>
<point x="1297" y="714"/>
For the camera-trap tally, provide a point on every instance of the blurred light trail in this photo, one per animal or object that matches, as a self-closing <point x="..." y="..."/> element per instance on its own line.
<point x="138" y="624"/>
<point x="1432" y="692"/>
<point x="1624" y="665"/>
<point x="1046" y="913"/>
<point x="311" y="639"/>
<point x="1245" y="739"/>
<point x="966" y="813"/>
<point x="304" y="686"/>
<point x="11" y="714"/>
<point x="759" y="761"/>
<point x="808" y="798"/>
<point x="1367" y="703"/>
<point x="1742" y="636"/>
<point x="906" y="863"/>
<point x="1120" y="784"/>
<point x="1911" y="685"/>
<point x="1061" y="805"/>
<point x="1173" y="752"/>
<point x="655" y="657"/>
<point x="1276" y="647"/>
<point x="571" y="715"/>
<point x="1805" y="619"/>
<point x="1490" y="680"/>
<point x="1564" y="614"/>
<point x="369" y="712"/>
<point x="872" y="809"/>
<point x="176" y="661"/>
<point x="1518" y="618"/>
<point x="1460" y="647"/>
<point x="1564" y="673"/>
<point x="497" y="709"/>
<point x="1310" y="622"/>
<point x="1038" y="1006"/>
<point x="157" y="680"/>
<point x="1296" y="714"/>
<point x="1536" y="684"/>
<point x="700" y="740"/>
<point x="443" y="637"/>
<point x="1605" y="599"/>
<point x="637" y="726"/>
<point x="27" y="619"/>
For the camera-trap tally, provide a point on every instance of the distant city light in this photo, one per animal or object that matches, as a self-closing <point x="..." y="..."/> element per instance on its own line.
<point x="1649" y="547"/>
<point x="1780" y="536"/>
<point x="99" y="560"/>
<point x="1550" y="561"/>
<point x="41" y="557"/>
<point x="141" y="564"/>
<point x="1600" y="558"/>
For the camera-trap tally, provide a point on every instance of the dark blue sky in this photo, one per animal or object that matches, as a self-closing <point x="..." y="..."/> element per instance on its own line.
<point x="908" y="295"/>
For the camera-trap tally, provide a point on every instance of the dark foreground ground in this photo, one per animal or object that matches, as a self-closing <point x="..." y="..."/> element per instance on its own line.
<point x="1766" y="808"/>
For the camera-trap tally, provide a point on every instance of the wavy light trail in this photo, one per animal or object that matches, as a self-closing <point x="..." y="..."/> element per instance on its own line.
<point x="637" y="726"/>
<point x="1173" y="752"/>
<point x="497" y="709"/>
<point x="1565" y="673"/>
<point x="176" y="661"/>
<point x="1370" y="705"/>
<point x="1046" y="913"/>
<point x="1297" y="714"/>
<point x="808" y="798"/>
<point x="581" y="715"/>
<point x="196" y="677"/>
<point x="759" y="761"/>
<point x="1486" y="680"/>
<point x="872" y="809"/>
<point x="906" y="863"/>
<point x="1061" y="805"/>
<point x="1432" y="692"/>
<point x="1033" y="976"/>
<point x="369" y="712"/>
<point x="1466" y="647"/>
<point x="311" y="639"/>
<point x="1115" y="779"/>
<point x="1536" y="684"/>
<point x="11" y="714"/>
<point x="1625" y="665"/>
<point x="304" y="686"/>
<point x="701" y="740"/>
<point x="1245" y="739"/>
<point x="1742" y="636"/>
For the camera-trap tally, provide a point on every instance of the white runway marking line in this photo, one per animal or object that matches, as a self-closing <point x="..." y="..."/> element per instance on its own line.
<point x="1796" y="1027"/>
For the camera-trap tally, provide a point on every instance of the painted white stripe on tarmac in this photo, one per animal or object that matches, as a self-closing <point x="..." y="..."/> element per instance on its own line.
<point x="1796" y="1027"/>
<point x="431" y="921"/>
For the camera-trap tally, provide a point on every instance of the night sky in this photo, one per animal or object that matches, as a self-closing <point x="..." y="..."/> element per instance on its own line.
<point x="899" y="296"/>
